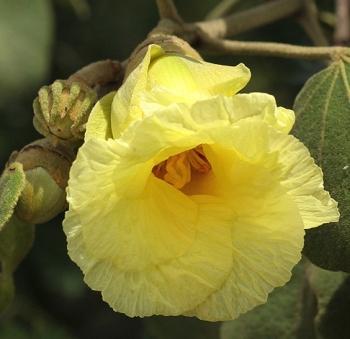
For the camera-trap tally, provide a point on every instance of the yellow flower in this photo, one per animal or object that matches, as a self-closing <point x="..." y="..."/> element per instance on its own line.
<point x="188" y="199"/>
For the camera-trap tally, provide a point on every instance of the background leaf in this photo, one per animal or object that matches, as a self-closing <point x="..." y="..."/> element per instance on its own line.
<point x="179" y="327"/>
<point x="7" y="290"/>
<point x="334" y="323"/>
<point x="12" y="183"/>
<point x="25" y="35"/>
<point x="298" y="310"/>
<point x="324" y="286"/>
<point x="16" y="238"/>
<point x="323" y="124"/>
<point x="278" y="318"/>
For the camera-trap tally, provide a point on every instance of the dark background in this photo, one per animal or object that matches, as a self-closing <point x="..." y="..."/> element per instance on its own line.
<point x="43" y="40"/>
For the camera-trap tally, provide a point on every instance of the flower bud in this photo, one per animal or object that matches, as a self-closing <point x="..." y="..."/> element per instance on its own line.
<point x="46" y="169"/>
<point x="61" y="110"/>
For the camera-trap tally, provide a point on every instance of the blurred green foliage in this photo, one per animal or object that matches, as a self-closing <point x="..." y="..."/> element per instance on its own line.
<point x="25" y="36"/>
<point x="43" y="40"/>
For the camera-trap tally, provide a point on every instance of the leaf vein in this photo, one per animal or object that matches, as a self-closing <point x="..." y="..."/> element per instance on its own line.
<point x="310" y="96"/>
<point x="345" y="80"/>
<point x="324" y="116"/>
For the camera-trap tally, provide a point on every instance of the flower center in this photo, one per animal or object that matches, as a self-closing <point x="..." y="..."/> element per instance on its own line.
<point x="178" y="169"/>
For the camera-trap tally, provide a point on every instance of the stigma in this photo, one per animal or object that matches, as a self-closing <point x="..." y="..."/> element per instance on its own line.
<point x="178" y="169"/>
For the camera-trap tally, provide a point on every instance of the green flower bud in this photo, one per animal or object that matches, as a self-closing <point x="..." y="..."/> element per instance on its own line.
<point x="46" y="169"/>
<point x="61" y="110"/>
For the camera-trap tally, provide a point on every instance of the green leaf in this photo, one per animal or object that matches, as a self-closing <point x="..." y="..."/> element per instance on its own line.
<point x="278" y="318"/>
<point x="25" y="37"/>
<point x="179" y="327"/>
<point x="323" y="124"/>
<point x="12" y="183"/>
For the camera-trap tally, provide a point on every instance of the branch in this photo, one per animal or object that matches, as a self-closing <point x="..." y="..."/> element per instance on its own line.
<point x="249" y="19"/>
<point x="273" y="49"/>
<point x="327" y="18"/>
<point x="309" y="21"/>
<point x="342" y="30"/>
<point x="223" y="8"/>
<point x="167" y="10"/>
<point x="98" y="73"/>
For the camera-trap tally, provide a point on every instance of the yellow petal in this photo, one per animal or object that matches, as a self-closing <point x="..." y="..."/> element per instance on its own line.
<point x="99" y="123"/>
<point x="266" y="246"/>
<point x="163" y="79"/>
<point x="303" y="180"/>
<point x="125" y="106"/>
<point x="219" y="111"/>
<point x="267" y="231"/>
<point x="262" y="105"/>
<point x="190" y="79"/>
<point x="216" y="248"/>
<point x="285" y="119"/>
<point x="288" y="159"/>
<point x="155" y="252"/>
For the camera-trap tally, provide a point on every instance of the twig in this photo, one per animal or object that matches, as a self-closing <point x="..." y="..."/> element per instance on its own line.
<point x="309" y="21"/>
<point x="223" y="8"/>
<point x="272" y="49"/>
<point x="327" y="18"/>
<point x="167" y="10"/>
<point x="342" y="30"/>
<point x="98" y="73"/>
<point x="249" y="19"/>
